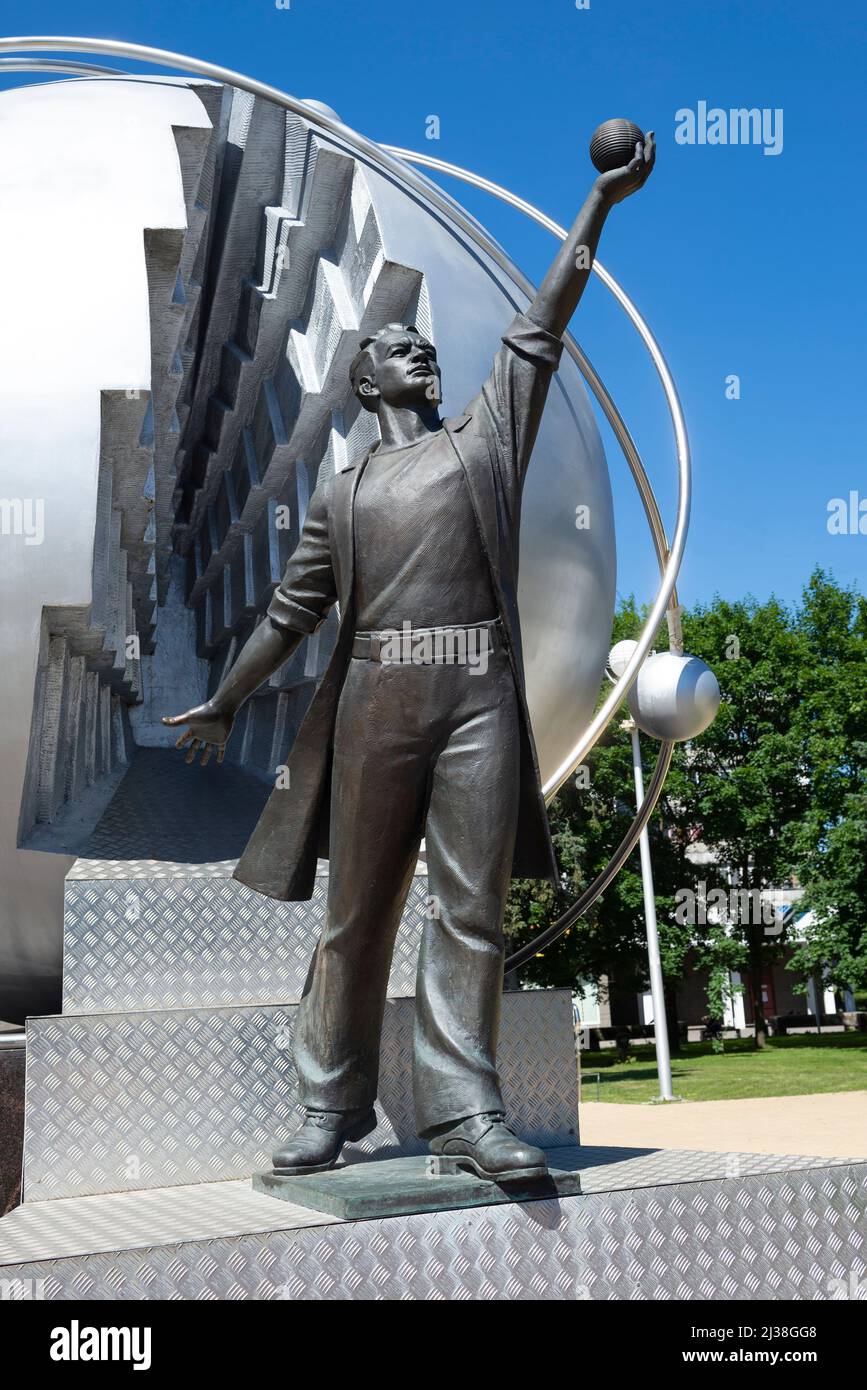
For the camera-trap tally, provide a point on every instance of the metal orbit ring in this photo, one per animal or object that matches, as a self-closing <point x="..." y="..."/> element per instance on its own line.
<point x="398" y="162"/>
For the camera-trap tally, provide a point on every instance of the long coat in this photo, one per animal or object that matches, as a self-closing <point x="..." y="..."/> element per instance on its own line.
<point x="493" y="440"/>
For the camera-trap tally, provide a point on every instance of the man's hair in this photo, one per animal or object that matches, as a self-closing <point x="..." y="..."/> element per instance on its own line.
<point x="362" y="363"/>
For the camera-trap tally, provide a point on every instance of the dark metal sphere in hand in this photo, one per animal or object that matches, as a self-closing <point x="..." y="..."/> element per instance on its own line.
<point x="613" y="144"/>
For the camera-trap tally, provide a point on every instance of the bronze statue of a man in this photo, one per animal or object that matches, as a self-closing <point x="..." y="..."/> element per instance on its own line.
<point x="418" y="537"/>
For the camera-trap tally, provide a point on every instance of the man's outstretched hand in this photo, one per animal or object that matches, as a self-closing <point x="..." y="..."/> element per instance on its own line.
<point x="617" y="184"/>
<point x="209" y="727"/>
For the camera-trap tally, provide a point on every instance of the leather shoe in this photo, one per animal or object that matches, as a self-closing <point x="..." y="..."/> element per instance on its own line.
<point x="485" y="1144"/>
<point x="317" y="1145"/>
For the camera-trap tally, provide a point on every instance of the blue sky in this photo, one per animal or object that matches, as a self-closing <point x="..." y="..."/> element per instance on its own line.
<point x="743" y="263"/>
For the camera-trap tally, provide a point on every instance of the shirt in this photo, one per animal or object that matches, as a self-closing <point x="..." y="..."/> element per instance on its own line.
<point x="418" y="553"/>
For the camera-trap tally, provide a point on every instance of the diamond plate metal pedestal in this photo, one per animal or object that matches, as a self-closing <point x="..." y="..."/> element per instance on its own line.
<point x="172" y="1066"/>
<point x="120" y="1101"/>
<point x="148" y="935"/>
<point x="648" y="1225"/>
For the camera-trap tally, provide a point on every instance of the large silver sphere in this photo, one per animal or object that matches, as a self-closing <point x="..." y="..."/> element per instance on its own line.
<point x="115" y="342"/>
<point x="674" y="697"/>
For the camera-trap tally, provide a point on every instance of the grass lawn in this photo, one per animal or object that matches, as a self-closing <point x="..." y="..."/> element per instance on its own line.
<point x="797" y="1066"/>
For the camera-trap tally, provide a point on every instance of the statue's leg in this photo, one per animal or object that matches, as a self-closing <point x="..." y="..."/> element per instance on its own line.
<point x="379" y="783"/>
<point x="470" y="837"/>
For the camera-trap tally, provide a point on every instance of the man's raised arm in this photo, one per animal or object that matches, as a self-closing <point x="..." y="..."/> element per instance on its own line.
<point x="558" y="295"/>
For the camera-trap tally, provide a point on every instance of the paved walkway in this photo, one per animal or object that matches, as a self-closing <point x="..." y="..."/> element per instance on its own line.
<point x="823" y="1126"/>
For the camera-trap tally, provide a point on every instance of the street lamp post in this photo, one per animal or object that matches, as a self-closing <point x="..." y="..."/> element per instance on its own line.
<point x="657" y="993"/>
<point x="674" y="698"/>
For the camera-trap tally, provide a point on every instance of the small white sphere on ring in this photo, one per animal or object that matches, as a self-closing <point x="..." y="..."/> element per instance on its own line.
<point x="674" y="696"/>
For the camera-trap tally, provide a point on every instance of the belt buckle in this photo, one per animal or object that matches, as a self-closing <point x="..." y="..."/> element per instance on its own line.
<point x="375" y="646"/>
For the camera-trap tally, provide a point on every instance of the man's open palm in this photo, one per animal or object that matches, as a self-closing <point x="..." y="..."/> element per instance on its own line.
<point x="209" y="728"/>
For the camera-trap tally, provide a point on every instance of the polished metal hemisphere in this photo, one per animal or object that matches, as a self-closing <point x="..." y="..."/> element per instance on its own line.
<point x="398" y="162"/>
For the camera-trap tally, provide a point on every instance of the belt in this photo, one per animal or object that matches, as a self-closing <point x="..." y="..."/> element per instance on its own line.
<point x="457" y="645"/>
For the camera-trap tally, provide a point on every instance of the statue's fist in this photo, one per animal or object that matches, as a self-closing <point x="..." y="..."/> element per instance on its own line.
<point x="617" y="184"/>
<point x="209" y="727"/>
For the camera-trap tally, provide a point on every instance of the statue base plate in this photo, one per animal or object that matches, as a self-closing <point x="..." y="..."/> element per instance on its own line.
<point x="405" y="1186"/>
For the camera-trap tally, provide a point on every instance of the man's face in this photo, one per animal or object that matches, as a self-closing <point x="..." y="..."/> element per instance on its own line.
<point x="406" y="370"/>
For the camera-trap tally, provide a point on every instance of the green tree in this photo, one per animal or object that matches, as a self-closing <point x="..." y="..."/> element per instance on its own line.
<point x="775" y="788"/>
<point x="589" y="818"/>
<point x="748" y="771"/>
<point x="831" y="843"/>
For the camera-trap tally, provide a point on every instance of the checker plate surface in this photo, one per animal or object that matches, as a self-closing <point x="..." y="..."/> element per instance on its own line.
<point x="117" y="1102"/>
<point x="158" y="938"/>
<point x="797" y="1232"/>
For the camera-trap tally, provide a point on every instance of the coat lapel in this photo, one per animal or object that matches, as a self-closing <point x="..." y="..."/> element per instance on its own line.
<point x="343" y="528"/>
<point x="483" y="496"/>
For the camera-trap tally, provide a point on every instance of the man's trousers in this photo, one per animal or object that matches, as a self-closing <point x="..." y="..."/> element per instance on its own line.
<point x="434" y="751"/>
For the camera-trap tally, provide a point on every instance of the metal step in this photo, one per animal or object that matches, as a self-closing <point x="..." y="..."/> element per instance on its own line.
<point x="124" y="1101"/>
<point x="668" y="1224"/>
<point x="144" y="936"/>
<point x="154" y="920"/>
